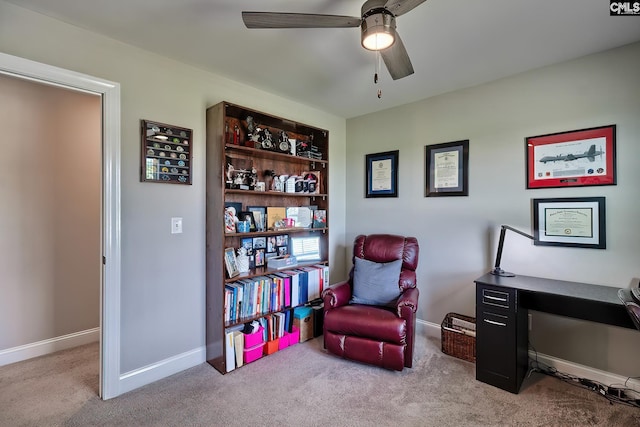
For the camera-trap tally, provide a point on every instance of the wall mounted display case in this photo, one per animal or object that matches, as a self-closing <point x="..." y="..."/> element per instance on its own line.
<point x="166" y="153"/>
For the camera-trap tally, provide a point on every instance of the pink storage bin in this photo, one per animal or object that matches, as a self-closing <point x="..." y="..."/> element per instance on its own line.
<point x="284" y="341"/>
<point x="253" y="353"/>
<point x="294" y="336"/>
<point x="254" y="339"/>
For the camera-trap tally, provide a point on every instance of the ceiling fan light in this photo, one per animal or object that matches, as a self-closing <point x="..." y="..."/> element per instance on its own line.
<point x="378" y="31"/>
<point x="377" y="41"/>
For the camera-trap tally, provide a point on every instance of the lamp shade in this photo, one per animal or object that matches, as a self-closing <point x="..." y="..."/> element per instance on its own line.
<point x="378" y="31"/>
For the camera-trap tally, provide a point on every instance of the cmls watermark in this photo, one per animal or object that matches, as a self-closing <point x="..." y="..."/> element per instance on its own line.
<point x="620" y="8"/>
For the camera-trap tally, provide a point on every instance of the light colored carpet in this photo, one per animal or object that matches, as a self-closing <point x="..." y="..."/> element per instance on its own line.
<point x="299" y="386"/>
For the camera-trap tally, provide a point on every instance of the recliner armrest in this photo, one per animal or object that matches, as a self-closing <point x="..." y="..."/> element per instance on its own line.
<point x="336" y="295"/>
<point x="408" y="300"/>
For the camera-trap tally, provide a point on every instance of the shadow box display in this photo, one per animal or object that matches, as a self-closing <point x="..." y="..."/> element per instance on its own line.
<point x="166" y="153"/>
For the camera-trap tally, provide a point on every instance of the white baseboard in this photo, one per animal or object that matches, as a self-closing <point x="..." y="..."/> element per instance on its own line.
<point x="587" y="372"/>
<point x="429" y="329"/>
<point x="607" y="378"/>
<point x="40" y="348"/>
<point x="162" y="369"/>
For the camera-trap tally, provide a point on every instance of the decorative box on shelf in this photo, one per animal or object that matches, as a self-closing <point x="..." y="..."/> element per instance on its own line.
<point x="284" y="261"/>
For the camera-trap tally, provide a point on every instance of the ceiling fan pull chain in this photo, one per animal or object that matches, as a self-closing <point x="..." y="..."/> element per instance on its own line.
<point x="375" y="76"/>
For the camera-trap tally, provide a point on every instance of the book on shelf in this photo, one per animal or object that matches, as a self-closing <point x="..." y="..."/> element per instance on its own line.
<point x="295" y="288"/>
<point x="230" y="351"/>
<point x="313" y="282"/>
<point x="303" y="283"/>
<point x="324" y="277"/>
<point x="238" y="345"/>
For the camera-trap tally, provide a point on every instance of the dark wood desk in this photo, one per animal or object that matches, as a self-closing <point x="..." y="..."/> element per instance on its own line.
<point x="502" y="332"/>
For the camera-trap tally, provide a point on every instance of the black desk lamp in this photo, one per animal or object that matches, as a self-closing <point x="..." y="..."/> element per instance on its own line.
<point x="496" y="269"/>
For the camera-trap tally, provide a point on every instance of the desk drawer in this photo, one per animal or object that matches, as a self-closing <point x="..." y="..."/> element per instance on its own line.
<point x="497" y="298"/>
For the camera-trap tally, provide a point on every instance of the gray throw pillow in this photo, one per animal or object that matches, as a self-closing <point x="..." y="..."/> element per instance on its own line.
<point x="376" y="283"/>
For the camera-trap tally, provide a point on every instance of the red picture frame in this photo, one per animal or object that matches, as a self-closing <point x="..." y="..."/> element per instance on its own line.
<point x="576" y="158"/>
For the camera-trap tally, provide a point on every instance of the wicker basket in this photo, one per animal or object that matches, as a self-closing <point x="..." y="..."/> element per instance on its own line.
<point x="456" y="341"/>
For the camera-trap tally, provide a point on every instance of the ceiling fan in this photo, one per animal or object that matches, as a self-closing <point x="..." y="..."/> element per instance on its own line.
<point x="377" y="25"/>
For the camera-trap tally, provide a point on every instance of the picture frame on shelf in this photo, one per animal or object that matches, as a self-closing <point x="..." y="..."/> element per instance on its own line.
<point x="282" y="244"/>
<point x="578" y="158"/>
<point x="301" y="215"/>
<point x="271" y="244"/>
<point x="230" y="262"/>
<point x="320" y="218"/>
<point x="577" y="222"/>
<point x="259" y="216"/>
<point x="259" y="243"/>
<point x="275" y="217"/>
<point x="381" y="174"/>
<point x="247" y="244"/>
<point x="259" y="255"/>
<point x="313" y="178"/>
<point x="447" y="169"/>
<point x="248" y="216"/>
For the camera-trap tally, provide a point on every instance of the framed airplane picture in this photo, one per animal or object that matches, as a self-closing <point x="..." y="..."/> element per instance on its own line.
<point x="576" y="158"/>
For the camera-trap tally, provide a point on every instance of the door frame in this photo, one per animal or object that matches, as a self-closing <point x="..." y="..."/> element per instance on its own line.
<point x="111" y="252"/>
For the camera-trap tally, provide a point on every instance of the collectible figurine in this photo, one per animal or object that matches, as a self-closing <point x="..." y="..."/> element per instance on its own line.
<point x="242" y="260"/>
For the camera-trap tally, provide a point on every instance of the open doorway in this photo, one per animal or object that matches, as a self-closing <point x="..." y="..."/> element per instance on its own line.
<point x="108" y="263"/>
<point x="50" y="218"/>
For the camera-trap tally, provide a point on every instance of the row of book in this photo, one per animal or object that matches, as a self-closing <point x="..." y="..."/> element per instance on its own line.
<point x="273" y="292"/>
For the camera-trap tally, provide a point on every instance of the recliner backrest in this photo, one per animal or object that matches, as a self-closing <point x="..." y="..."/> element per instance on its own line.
<point x="387" y="248"/>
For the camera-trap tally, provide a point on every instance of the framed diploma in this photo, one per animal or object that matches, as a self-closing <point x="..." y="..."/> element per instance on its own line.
<point x="447" y="169"/>
<point x="572" y="159"/>
<point x="382" y="174"/>
<point x="575" y="222"/>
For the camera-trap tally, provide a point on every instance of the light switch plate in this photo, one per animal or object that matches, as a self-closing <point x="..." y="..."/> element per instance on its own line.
<point x="176" y="225"/>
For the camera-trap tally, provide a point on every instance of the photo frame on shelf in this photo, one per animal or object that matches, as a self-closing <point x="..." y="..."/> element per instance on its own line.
<point x="230" y="262"/>
<point x="381" y="174"/>
<point x="313" y="178"/>
<point x="248" y="216"/>
<point x="166" y="153"/>
<point x="259" y="254"/>
<point x="447" y="169"/>
<point x="575" y="158"/>
<point x="577" y="222"/>
<point x="259" y="242"/>
<point x="320" y="218"/>
<point x="259" y="216"/>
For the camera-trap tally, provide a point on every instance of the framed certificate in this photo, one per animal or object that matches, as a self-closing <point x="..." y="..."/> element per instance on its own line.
<point x="382" y="174"/>
<point x="447" y="169"/>
<point x="572" y="159"/>
<point x="574" y="222"/>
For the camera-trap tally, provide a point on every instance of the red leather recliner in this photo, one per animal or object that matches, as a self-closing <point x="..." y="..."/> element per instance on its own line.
<point x="377" y="335"/>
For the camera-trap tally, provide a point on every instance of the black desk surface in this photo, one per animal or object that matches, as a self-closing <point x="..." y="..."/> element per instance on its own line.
<point x="584" y="301"/>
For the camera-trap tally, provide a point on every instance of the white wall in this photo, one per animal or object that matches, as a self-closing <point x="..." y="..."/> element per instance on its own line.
<point x="162" y="296"/>
<point x="50" y="212"/>
<point x="458" y="235"/>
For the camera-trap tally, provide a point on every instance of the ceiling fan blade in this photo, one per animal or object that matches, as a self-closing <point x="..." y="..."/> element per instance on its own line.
<point x="400" y="7"/>
<point x="397" y="60"/>
<point x="297" y="20"/>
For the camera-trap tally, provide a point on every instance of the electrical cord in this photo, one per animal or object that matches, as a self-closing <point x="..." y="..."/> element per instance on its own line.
<point x="615" y="393"/>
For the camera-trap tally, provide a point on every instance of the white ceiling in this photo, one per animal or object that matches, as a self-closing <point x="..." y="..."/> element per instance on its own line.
<point x="452" y="43"/>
